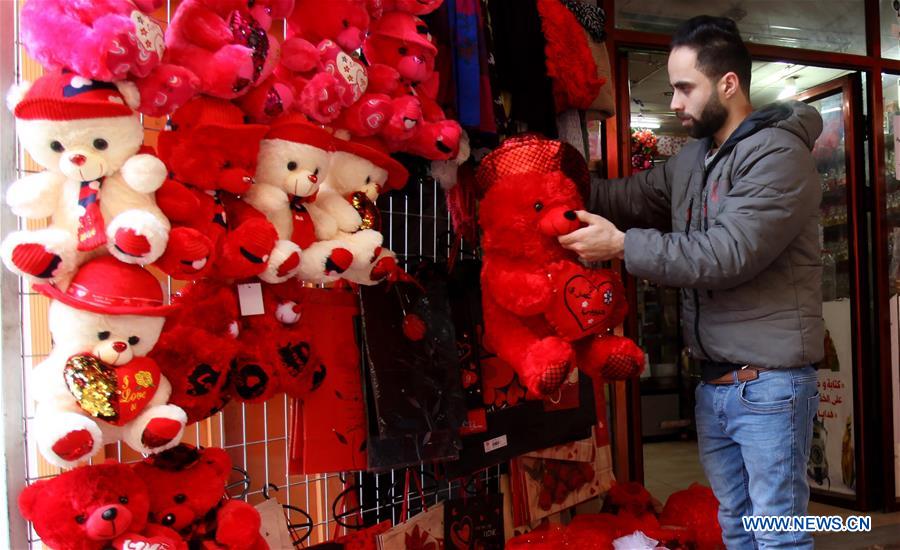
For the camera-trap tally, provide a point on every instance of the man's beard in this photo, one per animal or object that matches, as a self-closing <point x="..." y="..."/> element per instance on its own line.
<point x="711" y="119"/>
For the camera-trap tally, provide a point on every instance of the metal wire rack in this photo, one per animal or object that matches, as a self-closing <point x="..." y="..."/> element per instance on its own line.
<point x="255" y="436"/>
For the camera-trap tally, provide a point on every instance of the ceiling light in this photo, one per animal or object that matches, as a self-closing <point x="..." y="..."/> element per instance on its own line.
<point x="790" y="88"/>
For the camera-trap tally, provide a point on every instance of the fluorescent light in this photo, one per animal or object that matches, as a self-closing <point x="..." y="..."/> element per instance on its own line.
<point x="782" y="27"/>
<point x="641" y="122"/>
<point x="790" y="88"/>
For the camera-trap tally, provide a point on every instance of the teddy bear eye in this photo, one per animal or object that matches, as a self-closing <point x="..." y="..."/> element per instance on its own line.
<point x="403" y="51"/>
<point x="80" y="519"/>
<point x="133" y="340"/>
<point x="103" y="335"/>
<point x="57" y="146"/>
<point x="123" y="500"/>
<point x="292" y="166"/>
<point x="345" y="23"/>
<point x="226" y="164"/>
<point x="368" y="179"/>
<point x="538" y="206"/>
<point x="100" y="144"/>
<point x="179" y="498"/>
<point x="316" y="172"/>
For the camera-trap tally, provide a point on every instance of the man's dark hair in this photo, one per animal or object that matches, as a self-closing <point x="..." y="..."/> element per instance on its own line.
<point x="719" y="47"/>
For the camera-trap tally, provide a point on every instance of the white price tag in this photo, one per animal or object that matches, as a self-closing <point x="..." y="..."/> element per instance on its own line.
<point x="494" y="444"/>
<point x="251" y="299"/>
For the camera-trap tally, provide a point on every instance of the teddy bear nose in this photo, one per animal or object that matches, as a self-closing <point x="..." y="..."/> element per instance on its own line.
<point x="109" y="514"/>
<point x="313" y="178"/>
<point x="119" y="347"/>
<point x="249" y="179"/>
<point x="78" y="160"/>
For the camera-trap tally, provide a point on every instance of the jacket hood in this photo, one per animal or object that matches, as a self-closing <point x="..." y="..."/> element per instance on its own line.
<point x="796" y="117"/>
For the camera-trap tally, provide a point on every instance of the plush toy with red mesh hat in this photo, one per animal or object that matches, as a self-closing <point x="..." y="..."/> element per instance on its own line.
<point x="211" y="157"/>
<point x="294" y="160"/>
<point x="187" y="496"/>
<point x="544" y="313"/>
<point x="96" y="189"/>
<point x="345" y="209"/>
<point x="112" y="41"/>
<point x="98" y="386"/>
<point x="400" y="45"/>
<point x="95" y="508"/>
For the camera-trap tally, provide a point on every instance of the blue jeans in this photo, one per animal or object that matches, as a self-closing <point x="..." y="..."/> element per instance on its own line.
<point x="754" y="439"/>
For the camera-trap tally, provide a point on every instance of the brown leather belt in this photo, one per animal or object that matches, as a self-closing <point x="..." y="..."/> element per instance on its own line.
<point x="743" y="374"/>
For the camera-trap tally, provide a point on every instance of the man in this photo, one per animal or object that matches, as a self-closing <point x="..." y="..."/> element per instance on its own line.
<point x="733" y="220"/>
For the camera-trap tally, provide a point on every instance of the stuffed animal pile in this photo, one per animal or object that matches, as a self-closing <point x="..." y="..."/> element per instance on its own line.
<point x="262" y="180"/>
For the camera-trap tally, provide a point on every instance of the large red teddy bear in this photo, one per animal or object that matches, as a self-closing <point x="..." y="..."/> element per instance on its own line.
<point x="188" y="487"/>
<point x="95" y="507"/>
<point x="544" y="313"/>
<point x="211" y="157"/>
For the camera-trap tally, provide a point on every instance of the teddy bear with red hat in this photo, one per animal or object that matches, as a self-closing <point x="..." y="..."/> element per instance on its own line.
<point x="544" y="313"/>
<point x="97" y="386"/>
<point x="188" y="487"/>
<point x="211" y="156"/>
<point x="96" y="187"/>
<point x="95" y="507"/>
<point x="112" y="41"/>
<point x="401" y="53"/>
<point x="294" y="159"/>
<point x="361" y="169"/>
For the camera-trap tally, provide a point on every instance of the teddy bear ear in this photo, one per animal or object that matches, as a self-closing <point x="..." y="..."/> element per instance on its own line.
<point x="130" y="92"/>
<point x="28" y="498"/>
<point x="219" y="458"/>
<point x="16" y="94"/>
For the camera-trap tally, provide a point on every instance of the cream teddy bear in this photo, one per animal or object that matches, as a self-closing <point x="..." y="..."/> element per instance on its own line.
<point x="97" y="386"/>
<point x="96" y="189"/>
<point x="345" y="208"/>
<point x="294" y="158"/>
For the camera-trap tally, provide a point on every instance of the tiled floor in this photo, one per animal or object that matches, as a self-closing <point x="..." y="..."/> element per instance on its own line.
<point x="672" y="466"/>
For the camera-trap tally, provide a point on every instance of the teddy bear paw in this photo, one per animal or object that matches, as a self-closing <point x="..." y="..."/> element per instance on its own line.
<point x="166" y="89"/>
<point x="130" y="242"/>
<point x="35" y="260"/>
<point x="547" y="365"/>
<point x="121" y="53"/>
<point x="74" y="446"/>
<point x="159" y="432"/>
<point x="338" y="261"/>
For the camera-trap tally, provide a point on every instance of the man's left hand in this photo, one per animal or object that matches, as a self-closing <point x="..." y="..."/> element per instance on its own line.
<point x="596" y="242"/>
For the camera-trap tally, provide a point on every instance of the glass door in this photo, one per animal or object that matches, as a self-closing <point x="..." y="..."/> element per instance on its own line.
<point x="834" y="471"/>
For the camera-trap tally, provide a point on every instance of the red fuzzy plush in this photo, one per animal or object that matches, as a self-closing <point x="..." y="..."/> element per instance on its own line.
<point x="543" y="312"/>
<point x="93" y="508"/>
<point x="695" y="509"/>
<point x="187" y="496"/>
<point x="198" y="345"/>
<point x="570" y="62"/>
<point x="277" y="353"/>
<point x="211" y="157"/>
<point x="109" y="40"/>
<point x="225" y="43"/>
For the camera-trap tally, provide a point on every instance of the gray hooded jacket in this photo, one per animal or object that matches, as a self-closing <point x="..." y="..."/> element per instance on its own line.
<point x="739" y="235"/>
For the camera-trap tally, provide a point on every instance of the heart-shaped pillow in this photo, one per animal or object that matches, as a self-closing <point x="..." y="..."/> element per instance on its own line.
<point x="585" y="301"/>
<point x="114" y="394"/>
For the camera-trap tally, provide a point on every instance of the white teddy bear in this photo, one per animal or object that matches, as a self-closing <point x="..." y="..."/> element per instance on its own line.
<point x="293" y="160"/>
<point x="97" y="386"/>
<point x="345" y="208"/>
<point x="96" y="189"/>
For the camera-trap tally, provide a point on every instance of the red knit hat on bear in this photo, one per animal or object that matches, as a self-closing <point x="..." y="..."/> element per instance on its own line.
<point x="67" y="96"/>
